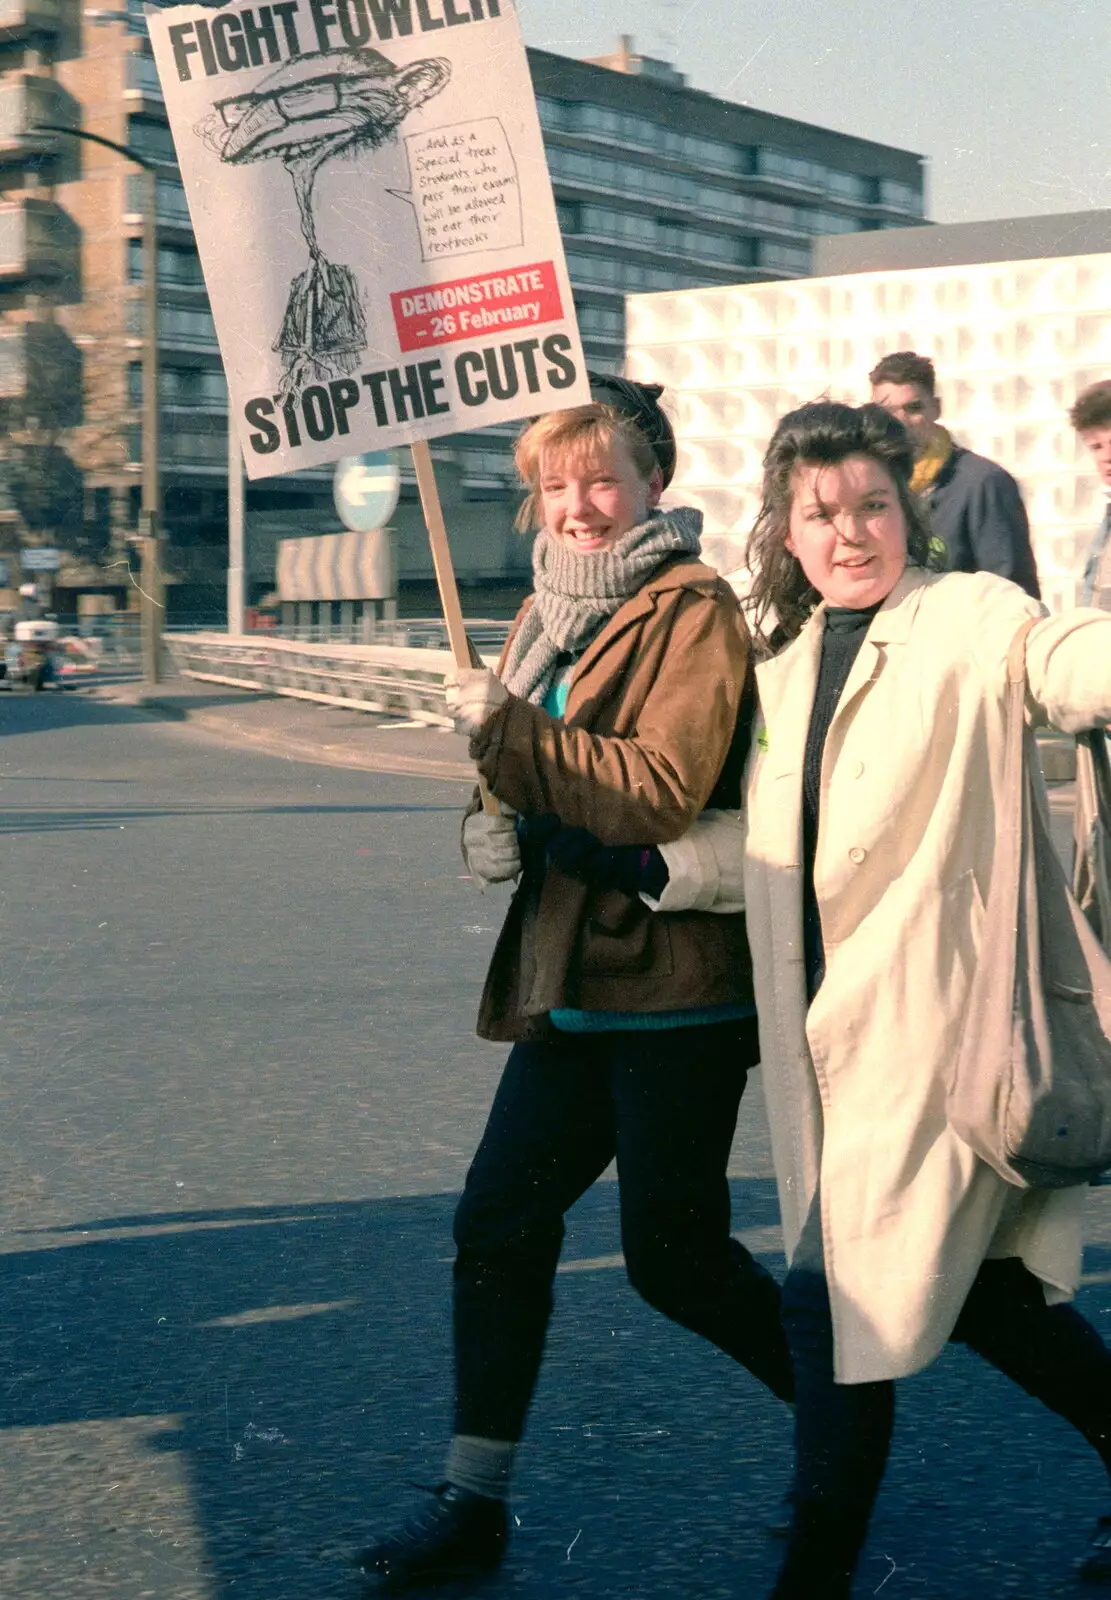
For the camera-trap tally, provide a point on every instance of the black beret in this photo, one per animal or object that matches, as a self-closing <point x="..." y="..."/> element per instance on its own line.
<point x="640" y="402"/>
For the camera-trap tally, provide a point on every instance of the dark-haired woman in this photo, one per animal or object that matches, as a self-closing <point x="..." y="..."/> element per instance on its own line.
<point x="614" y="714"/>
<point x="870" y="812"/>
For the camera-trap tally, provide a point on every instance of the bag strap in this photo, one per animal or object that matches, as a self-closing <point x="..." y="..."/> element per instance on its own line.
<point x="1015" y="727"/>
<point x="1006" y="874"/>
<point x="1096" y="741"/>
<point x="1016" y="655"/>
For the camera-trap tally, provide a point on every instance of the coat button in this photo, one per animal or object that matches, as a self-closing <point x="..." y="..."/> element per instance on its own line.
<point x="856" y="855"/>
<point x="856" y="770"/>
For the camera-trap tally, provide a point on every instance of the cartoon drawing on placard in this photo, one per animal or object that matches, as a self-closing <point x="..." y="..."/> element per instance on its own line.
<point x="312" y="109"/>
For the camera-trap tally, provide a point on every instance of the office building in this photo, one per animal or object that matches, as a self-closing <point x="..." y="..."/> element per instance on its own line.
<point x="658" y="186"/>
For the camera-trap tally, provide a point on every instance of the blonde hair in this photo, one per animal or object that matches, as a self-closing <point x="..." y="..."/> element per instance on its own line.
<point x="577" y="435"/>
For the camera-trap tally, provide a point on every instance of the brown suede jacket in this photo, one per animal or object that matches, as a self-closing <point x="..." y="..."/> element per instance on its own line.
<point x="650" y="718"/>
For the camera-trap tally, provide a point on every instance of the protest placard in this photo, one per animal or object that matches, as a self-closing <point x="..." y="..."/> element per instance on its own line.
<point x="374" y="217"/>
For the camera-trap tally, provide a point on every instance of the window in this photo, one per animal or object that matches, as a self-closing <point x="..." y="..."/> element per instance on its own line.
<point x="707" y="152"/>
<point x="191" y="327"/>
<point x="630" y="177"/>
<point x="172" y="206"/>
<point x="785" y="257"/>
<point x="143" y="74"/>
<point x="629" y="277"/>
<point x="625" y="225"/>
<point x="204" y="448"/>
<point x="792" y="169"/>
<point x="848" y="186"/>
<point x="201" y="387"/>
<point x="180" y="268"/>
<point x="598" y="119"/>
<point x="553" y="113"/>
<point x="176" y="324"/>
<point x="828" y="222"/>
<point x="781" y="216"/>
<point x="13" y="363"/>
<point x="730" y="251"/>
<point x="900" y="197"/>
<point x="99" y="514"/>
<point x="602" y="122"/>
<point x="603" y="322"/>
<point x="151" y="139"/>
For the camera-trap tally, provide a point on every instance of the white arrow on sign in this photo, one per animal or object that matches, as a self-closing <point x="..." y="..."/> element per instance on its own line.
<point x="366" y="489"/>
<point x="366" y="481"/>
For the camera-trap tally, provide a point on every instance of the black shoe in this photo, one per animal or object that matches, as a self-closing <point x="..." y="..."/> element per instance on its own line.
<point x="1096" y="1566"/>
<point x="458" y="1534"/>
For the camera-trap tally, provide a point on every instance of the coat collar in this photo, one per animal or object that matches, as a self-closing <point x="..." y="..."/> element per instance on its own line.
<point x="787" y="682"/>
<point x="680" y="572"/>
<point x="890" y="625"/>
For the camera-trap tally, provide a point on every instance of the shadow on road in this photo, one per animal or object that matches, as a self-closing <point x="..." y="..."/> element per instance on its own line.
<point x="302" y="1354"/>
<point x="64" y="819"/>
<point x="38" y="713"/>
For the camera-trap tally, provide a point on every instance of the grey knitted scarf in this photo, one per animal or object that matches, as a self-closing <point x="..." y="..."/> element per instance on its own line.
<point x="575" y="595"/>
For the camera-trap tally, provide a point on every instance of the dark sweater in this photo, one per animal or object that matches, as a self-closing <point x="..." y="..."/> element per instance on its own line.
<point x="844" y="634"/>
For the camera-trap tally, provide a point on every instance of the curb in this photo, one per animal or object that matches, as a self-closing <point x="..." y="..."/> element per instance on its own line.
<point x="161" y="709"/>
<point x="336" y="755"/>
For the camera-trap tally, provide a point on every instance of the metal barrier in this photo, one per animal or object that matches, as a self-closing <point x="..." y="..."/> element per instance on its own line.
<point x="419" y="633"/>
<point x="399" y="681"/>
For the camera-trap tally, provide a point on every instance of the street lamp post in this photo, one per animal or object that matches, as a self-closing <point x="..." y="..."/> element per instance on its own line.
<point x="237" y="557"/>
<point x="152" y="605"/>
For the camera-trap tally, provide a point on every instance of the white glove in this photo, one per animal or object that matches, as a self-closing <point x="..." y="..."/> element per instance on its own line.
<point x="473" y="695"/>
<point x="706" y="866"/>
<point x="490" y="847"/>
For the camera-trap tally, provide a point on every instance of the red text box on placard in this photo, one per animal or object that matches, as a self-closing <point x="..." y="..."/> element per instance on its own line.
<point x="468" y="308"/>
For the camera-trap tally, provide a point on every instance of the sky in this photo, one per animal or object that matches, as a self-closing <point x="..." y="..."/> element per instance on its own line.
<point x="1010" y="100"/>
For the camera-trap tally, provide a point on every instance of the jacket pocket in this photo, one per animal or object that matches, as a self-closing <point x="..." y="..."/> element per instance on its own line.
<point x="618" y="936"/>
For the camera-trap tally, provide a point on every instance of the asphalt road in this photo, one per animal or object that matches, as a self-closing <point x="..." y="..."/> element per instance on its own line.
<point x="239" y="1087"/>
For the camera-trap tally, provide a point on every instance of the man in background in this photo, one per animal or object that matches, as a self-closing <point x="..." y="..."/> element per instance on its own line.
<point x="975" y="506"/>
<point x="1091" y="417"/>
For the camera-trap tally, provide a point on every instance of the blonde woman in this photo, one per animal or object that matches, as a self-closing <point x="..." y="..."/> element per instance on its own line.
<point x="608" y="728"/>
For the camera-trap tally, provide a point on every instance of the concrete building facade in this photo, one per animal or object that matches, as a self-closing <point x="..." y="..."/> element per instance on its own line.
<point x="658" y="185"/>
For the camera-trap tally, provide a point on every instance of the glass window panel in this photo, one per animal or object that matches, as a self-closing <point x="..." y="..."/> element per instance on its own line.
<point x="143" y="74"/>
<point x="553" y="113"/>
<point x="152" y="139"/>
<point x="900" y="196"/>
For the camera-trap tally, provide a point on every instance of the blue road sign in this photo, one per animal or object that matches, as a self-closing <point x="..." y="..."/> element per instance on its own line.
<point x="366" y="488"/>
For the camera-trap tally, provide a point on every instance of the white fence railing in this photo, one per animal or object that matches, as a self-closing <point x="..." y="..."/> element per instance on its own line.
<point x="385" y="678"/>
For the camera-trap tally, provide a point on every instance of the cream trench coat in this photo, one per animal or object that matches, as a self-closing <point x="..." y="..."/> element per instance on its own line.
<point x="854" y="1082"/>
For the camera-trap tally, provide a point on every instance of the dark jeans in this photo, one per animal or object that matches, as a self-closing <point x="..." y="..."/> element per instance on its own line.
<point x="843" y="1431"/>
<point x="665" y="1104"/>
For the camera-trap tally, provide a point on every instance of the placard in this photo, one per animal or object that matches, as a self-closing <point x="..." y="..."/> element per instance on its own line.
<point x="375" y="221"/>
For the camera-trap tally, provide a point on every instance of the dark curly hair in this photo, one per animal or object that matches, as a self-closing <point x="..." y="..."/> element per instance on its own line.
<point x="822" y="433"/>
<point x="1093" y="407"/>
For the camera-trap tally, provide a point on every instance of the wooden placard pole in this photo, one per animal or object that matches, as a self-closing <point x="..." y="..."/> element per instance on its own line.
<point x="445" y="577"/>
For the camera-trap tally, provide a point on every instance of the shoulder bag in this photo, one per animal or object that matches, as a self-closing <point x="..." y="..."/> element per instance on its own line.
<point x="1030" y="1087"/>
<point x="1091" y="871"/>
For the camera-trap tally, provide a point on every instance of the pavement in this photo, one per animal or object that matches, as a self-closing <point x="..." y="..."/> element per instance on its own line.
<point x="239" y="1087"/>
<point x="302" y="730"/>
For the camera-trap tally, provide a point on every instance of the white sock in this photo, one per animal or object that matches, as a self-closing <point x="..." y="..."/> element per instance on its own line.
<point x="481" y="1465"/>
